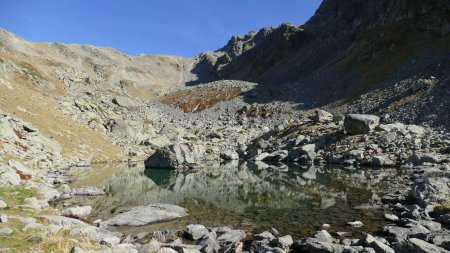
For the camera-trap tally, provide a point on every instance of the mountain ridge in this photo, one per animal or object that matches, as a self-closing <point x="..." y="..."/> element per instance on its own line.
<point x="347" y="50"/>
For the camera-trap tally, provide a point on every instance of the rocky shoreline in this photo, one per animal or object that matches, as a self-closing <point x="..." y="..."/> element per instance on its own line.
<point x="420" y="201"/>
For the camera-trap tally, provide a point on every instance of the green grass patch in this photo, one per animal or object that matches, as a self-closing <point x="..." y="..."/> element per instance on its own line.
<point x="16" y="196"/>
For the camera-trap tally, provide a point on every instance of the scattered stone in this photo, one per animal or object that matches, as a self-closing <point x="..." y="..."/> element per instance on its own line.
<point x="310" y="151"/>
<point x="209" y="244"/>
<point x="391" y="217"/>
<point x="377" y="245"/>
<point x="231" y="237"/>
<point x="323" y="236"/>
<point x="360" y="123"/>
<point x="283" y="242"/>
<point x="422" y="158"/>
<point x="266" y="235"/>
<point x="152" y="246"/>
<point x="418" y="245"/>
<point x="323" y="116"/>
<point x="88" y="190"/>
<point x="77" y="212"/>
<point x="166" y="236"/>
<point x="196" y="231"/>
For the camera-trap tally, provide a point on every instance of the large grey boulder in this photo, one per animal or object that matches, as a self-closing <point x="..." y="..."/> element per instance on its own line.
<point x="360" y="123"/>
<point x="122" y="129"/>
<point x="400" y="234"/>
<point x="126" y="102"/>
<point x="176" y="156"/>
<point x="144" y="215"/>
<point x="314" y="245"/>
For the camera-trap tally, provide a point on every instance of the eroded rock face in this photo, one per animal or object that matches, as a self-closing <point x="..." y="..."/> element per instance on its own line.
<point x="144" y="215"/>
<point x="360" y="123"/>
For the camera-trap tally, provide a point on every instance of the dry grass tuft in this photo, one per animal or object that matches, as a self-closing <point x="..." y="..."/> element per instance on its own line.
<point x="63" y="242"/>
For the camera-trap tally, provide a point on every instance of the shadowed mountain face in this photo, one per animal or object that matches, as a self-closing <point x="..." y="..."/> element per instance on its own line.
<point x="346" y="49"/>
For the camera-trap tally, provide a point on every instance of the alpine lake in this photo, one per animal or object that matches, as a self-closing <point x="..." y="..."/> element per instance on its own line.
<point x="255" y="197"/>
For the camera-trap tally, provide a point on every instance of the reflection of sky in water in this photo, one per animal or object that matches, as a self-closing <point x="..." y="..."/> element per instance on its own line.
<point x="258" y="194"/>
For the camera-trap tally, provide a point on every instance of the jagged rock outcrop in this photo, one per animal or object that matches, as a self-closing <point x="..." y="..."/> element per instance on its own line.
<point x="348" y="49"/>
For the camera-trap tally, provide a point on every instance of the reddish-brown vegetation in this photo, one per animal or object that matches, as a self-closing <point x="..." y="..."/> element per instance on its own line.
<point x="199" y="99"/>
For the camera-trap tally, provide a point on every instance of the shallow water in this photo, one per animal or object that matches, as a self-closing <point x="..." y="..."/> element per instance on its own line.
<point x="294" y="199"/>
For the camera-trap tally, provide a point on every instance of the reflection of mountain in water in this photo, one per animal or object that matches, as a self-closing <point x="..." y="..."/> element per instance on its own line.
<point x="239" y="188"/>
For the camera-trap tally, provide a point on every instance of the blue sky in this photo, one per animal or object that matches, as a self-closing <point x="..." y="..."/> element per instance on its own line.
<point x="174" y="27"/>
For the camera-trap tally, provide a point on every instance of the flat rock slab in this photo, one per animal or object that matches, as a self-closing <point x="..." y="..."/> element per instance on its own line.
<point x="144" y="215"/>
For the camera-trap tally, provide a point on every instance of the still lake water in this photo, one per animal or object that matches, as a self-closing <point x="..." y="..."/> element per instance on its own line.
<point x="294" y="199"/>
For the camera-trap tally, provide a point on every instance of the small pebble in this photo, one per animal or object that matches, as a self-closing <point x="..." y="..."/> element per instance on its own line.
<point x="391" y="217"/>
<point x="326" y="226"/>
<point x="3" y="218"/>
<point x="355" y="224"/>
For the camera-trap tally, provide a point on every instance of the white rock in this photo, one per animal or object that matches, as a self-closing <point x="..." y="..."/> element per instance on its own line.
<point x="355" y="224"/>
